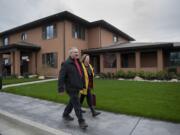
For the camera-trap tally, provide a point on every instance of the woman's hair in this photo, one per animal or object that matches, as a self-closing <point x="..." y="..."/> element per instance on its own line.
<point x="84" y="57"/>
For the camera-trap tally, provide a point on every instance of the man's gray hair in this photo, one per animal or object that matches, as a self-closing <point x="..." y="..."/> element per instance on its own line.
<point x="72" y="49"/>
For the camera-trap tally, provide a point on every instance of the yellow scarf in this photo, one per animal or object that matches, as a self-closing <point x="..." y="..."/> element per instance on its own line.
<point x="84" y="91"/>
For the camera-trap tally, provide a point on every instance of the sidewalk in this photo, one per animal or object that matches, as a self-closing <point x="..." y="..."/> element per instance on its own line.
<point x="11" y="124"/>
<point x="49" y="114"/>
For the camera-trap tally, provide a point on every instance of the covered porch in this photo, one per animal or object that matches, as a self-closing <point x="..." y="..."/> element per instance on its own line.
<point x="18" y="59"/>
<point x="136" y="57"/>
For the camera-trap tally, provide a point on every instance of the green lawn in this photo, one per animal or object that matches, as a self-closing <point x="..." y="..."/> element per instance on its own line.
<point x="16" y="80"/>
<point x="148" y="99"/>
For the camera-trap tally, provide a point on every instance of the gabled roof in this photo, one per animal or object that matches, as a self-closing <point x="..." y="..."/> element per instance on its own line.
<point x="65" y="15"/>
<point x="106" y="25"/>
<point x="135" y="45"/>
<point x="43" y="21"/>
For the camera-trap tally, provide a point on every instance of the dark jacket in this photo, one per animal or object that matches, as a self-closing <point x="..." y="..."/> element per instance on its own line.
<point x="69" y="77"/>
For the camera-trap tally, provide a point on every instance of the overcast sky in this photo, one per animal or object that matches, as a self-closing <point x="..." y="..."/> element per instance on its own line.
<point x="145" y="20"/>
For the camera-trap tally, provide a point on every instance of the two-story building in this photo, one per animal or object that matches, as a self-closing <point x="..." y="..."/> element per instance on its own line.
<point x="39" y="47"/>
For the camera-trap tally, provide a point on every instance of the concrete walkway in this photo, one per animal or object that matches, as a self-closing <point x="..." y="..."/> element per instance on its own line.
<point x="11" y="124"/>
<point x="49" y="114"/>
<point x="26" y="83"/>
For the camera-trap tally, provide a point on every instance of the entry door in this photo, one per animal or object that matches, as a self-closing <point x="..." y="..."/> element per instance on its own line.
<point x="95" y="60"/>
<point x="24" y="64"/>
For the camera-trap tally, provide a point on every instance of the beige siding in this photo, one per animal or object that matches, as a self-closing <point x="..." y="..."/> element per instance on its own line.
<point x="94" y="37"/>
<point x="70" y="41"/>
<point x="52" y="45"/>
<point x="107" y="38"/>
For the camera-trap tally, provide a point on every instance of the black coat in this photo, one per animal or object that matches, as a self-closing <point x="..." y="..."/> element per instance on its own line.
<point x="69" y="77"/>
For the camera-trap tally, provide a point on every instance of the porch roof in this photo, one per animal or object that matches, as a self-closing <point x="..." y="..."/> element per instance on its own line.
<point x="19" y="46"/>
<point x="133" y="46"/>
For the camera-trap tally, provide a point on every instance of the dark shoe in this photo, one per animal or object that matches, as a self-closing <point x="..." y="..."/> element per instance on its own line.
<point x="83" y="111"/>
<point x="68" y="118"/>
<point x="94" y="114"/>
<point x="83" y="125"/>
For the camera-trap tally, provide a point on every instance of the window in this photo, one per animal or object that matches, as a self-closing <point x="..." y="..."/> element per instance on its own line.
<point x="175" y="59"/>
<point x="5" y="41"/>
<point x="49" y="32"/>
<point x="50" y="59"/>
<point x="78" y="31"/>
<point x="149" y="59"/>
<point x="115" y="38"/>
<point x="24" y="36"/>
<point x="128" y="60"/>
<point x="109" y="60"/>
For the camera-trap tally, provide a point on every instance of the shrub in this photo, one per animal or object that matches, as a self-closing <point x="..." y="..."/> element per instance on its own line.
<point x="130" y="74"/>
<point x="172" y="75"/>
<point x="172" y="69"/>
<point x="116" y="75"/>
<point x="102" y="75"/>
<point x="10" y="77"/>
<point x="141" y="74"/>
<point x="113" y="75"/>
<point x="178" y="76"/>
<point x="109" y="75"/>
<point x="150" y="75"/>
<point x="162" y="75"/>
<point x="120" y="74"/>
<point x="26" y="75"/>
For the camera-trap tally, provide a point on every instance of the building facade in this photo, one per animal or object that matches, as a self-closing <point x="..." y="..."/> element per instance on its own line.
<point x="39" y="47"/>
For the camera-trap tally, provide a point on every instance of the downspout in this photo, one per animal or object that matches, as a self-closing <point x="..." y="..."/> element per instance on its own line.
<point x="100" y="36"/>
<point x="64" y="43"/>
<point x="36" y="62"/>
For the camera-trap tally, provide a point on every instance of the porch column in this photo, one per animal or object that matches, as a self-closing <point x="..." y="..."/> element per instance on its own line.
<point x="12" y="63"/>
<point x="15" y="63"/>
<point x="160" y="60"/>
<point x="101" y="63"/>
<point x="32" y="63"/>
<point x="138" y="60"/>
<point x="1" y="63"/>
<point x="118" y="56"/>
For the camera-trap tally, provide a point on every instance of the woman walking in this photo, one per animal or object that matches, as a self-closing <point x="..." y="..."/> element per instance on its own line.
<point x="88" y="75"/>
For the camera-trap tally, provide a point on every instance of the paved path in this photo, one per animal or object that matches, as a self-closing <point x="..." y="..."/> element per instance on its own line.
<point x="11" y="124"/>
<point x="26" y="83"/>
<point x="49" y="113"/>
<point x="9" y="128"/>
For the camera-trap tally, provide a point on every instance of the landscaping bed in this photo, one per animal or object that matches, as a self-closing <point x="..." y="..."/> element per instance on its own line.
<point x="142" y="75"/>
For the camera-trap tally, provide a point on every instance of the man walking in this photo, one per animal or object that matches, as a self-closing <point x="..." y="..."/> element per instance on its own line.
<point x="71" y="79"/>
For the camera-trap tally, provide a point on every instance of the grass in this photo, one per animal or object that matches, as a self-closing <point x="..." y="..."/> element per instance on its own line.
<point x="147" y="99"/>
<point x="7" y="81"/>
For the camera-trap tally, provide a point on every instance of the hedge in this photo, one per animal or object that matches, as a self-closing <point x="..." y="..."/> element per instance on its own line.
<point x="160" y="75"/>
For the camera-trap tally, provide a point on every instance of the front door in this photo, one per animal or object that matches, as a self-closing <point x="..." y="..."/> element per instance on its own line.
<point x="6" y="67"/>
<point x="95" y="60"/>
<point x="24" y="65"/>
